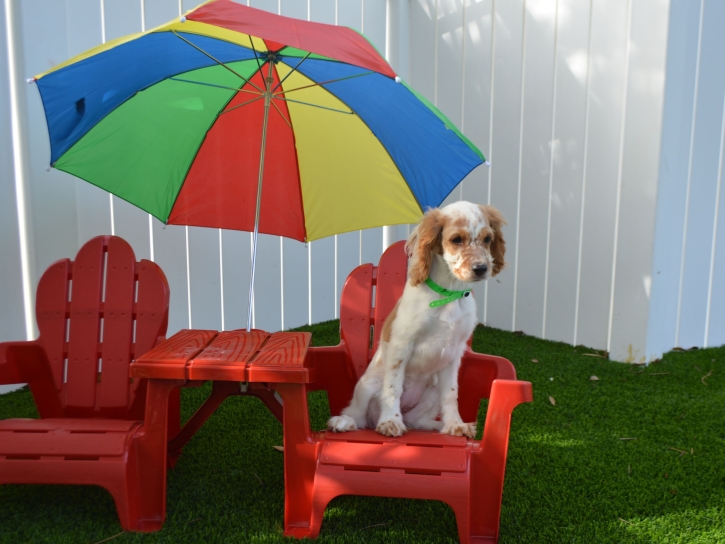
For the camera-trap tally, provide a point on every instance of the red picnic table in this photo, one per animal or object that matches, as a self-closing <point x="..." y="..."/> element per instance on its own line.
<point x="271" y="366"/>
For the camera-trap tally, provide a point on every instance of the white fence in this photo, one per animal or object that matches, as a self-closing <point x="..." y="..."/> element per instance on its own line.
<point x="573" y="101"/>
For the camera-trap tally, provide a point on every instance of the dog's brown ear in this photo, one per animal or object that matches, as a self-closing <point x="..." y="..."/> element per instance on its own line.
<point x="424" y="240"/>
<point x="498" y="245"/>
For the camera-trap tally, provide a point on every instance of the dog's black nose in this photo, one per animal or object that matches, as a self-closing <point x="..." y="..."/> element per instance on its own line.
<point x="479" y="269"/>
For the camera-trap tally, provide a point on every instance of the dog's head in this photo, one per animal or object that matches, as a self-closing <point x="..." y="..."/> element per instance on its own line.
<point x="468" y="237"/>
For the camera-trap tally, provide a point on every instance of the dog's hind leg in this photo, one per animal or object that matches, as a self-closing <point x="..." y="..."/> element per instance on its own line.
<point x="423" y="415"/>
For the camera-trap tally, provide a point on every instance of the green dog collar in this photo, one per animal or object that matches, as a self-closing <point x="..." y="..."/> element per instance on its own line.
<point x="450" y="295"/>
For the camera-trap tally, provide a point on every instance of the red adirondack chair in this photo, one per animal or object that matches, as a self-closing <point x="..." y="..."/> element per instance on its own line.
<point x="466" y="474"/>
<point x="95" y="315"/>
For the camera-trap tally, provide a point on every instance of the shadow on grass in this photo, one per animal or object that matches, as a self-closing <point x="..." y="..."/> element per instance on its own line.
<point x="570" y="477"/>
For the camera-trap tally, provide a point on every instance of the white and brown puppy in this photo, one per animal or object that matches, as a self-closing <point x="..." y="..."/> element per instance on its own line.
<point x="412" y="380"/>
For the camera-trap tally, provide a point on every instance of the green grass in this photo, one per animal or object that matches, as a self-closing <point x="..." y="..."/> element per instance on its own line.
<point x="570" y="477"/>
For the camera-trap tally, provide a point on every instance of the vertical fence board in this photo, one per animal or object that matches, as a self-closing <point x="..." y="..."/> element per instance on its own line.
<point x="296" y="284"/>
<point x="449" y="68"/>
<point x="129" y="222"/>
<point x="716" y="328"/>
<point x="639" y="180"/>
<point x="204" y="278"/>
<point x="507" y="92"/>
<point x="170" y="255"/>
<point x="348" y="258"/>
<point x="323" y="11"/>
<point x="85" y="31"/>
<point x="323" y="279"/>
<point x="606" y="87"/>
<point x="267" y="284"/>
<point x="537" y="110"/>
<point x="51" y="192"/>
<point x="170" y="245"/>
<point x="372" y="24"/>
<point x="703" y="187"/>
<point x="570" y="123"/>
<point x="673" y="173"/>
<point x="476" y="121"/>
<point x="11" y="296"/>
<point x="236" y="266"/>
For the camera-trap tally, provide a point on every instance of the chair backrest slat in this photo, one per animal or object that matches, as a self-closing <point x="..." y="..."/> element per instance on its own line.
<point x="113" y="391"/>
<point x="357" y="314"/>
<point x="391" y="277"/>
<point x="356" y="317"/>
<point x="52" y="313"/>
<point x="85" y="312"/>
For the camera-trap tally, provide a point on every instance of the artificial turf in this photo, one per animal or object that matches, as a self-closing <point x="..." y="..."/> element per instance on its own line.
<point x="635" y="456"/>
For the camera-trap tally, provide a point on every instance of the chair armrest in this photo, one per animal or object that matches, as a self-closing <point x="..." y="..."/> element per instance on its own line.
<point x="488" y="461"/>
<point x="475" y="378"/>
<point x="27" y="362"/>
<point x="505" y="396"/>
<point x="333" y="374"/>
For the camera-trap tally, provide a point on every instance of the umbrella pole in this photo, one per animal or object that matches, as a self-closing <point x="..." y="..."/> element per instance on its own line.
<point x="267" y="102"/>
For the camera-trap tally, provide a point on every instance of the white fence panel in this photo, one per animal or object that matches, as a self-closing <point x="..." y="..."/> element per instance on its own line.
<point x="477" y="106"/>
<point x="607" y="84"/>
<point x="566" y="98"/>
<point x="688" y="273"/>
<point x="568" y="174"/>
<point x="12" y="322"/>
<point x="537" y="111"/>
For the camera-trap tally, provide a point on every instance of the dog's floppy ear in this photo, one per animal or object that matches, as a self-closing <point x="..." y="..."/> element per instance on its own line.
<point x="498" y="245"/>
<point x="424" y="240"/>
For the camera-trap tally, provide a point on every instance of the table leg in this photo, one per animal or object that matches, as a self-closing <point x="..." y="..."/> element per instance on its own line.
<point x="300" y="459"/>
<point x="219" y="393"/>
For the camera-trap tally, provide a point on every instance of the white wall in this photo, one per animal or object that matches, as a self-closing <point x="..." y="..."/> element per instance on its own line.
<point x="565" y="98"/>
<point x="611" y="190"/>
<point x="688" y="287"/>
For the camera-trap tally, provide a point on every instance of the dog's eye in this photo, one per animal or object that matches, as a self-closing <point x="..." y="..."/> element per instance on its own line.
<point x="487" y="240"/>
<point x="456" y="240"/>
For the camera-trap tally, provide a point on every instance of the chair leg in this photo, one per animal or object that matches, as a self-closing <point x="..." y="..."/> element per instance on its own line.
<point x="463" y="517"/>
<point x="320" y="500"/>
<point x="300" y="459"/>
<point x="147" y="461"/>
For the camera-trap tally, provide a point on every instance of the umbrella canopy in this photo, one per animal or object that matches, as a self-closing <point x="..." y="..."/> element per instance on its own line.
<point x="173" y="120"/>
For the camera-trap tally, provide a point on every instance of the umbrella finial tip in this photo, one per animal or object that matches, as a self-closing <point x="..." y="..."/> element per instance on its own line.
<point x="397" y="79"/>
<point x="30" y="80"/>
<point x="487" y="163"/>
<point x="182" y="19"/>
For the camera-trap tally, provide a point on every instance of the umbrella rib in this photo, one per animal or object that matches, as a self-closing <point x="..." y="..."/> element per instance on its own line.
<point x="290" y="72"/>
<point x="251" y="42"/>
<point x="281" y="114"/>
<point x="220" y="63"/>
<point x="277" y="97"/>
<point x="240" y="105"/>
<point x="237" y="89"/>
<point x="324" y="82"/>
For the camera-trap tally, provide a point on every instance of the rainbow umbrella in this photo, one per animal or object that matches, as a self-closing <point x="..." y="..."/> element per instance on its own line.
<point x="231" y="117"/>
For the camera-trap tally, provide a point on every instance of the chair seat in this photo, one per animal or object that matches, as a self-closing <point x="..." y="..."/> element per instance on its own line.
<point x="68" y="438"/>
<point x="416" y="451"/>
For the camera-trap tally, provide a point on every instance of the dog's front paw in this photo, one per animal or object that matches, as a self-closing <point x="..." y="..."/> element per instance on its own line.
<point x="391" y="427"/>
<point x="341" y="424"/>
<point x="460" y="429"/>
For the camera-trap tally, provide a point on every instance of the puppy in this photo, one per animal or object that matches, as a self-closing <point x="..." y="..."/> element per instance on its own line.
<point x="412" y="380"/>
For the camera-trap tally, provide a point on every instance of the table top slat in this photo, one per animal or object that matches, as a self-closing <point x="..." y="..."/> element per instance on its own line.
<point x="227" y="356"/>
<point x="169" y="359"/>
<point x="282" y="359"/>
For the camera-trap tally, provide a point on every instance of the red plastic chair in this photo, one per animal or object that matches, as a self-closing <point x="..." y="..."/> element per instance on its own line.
<point x="95" y="315"/>
<point x="466" y="474"/>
